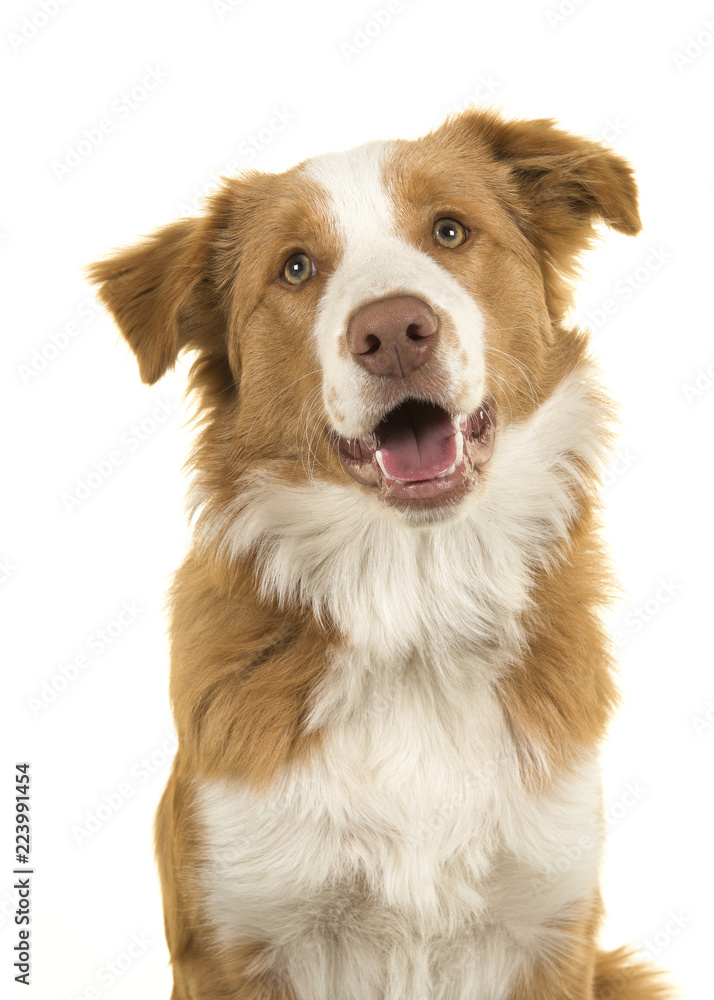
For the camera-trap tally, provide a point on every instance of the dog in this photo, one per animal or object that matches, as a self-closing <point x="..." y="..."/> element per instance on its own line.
<point x="390" y="674"/>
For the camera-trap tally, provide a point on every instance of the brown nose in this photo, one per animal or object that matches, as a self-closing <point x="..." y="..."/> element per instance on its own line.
<point x="392" y="336"/>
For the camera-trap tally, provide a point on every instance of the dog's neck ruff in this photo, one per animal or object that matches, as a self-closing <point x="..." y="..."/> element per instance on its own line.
<point x="391" y="586"/>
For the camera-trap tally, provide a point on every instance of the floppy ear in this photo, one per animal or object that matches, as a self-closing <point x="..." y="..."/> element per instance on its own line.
<point x="161" y="295"/>
<point x="565" y="177"/>
<point x="563" y="184"/>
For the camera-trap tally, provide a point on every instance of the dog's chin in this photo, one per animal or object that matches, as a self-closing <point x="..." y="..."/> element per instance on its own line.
<point x="420" y="459"/>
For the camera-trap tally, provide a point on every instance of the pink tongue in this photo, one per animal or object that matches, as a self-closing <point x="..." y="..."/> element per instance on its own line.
<point x="417" y="441"/>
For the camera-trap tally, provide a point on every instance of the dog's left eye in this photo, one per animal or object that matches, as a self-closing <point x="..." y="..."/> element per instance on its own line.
<point x="449" y="233"/>
<point x="298" y="268"/>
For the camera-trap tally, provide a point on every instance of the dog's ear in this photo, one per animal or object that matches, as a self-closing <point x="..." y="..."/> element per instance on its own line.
<point x="161" y="295"/>
<point x="559" y="186"/>
<point x="566" y="180"/>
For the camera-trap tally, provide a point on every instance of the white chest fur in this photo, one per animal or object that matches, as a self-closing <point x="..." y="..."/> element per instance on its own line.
<point x="407" y="861"/>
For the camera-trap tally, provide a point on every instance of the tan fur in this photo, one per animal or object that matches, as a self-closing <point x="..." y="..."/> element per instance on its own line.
<point x="240" y="714"/>
<point x="560" y="697"/>
<point x="584" y="973"/>
<point x="243" y="669"/>
<point x="200" y="969"/>
<point x="621" y="976"/>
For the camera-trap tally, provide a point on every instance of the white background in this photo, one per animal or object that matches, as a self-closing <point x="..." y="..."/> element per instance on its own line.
<point x="602" y="68"/>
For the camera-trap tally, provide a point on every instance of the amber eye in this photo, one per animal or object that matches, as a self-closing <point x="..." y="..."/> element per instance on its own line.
<point x="449" y="233"/>
<point x="298" y="268"/>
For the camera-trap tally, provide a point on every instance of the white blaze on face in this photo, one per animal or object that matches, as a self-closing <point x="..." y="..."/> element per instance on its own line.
<point x="378" y="262"/>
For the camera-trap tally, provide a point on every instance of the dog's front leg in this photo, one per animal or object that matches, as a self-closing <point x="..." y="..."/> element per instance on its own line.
<point x="234" y="974"/>
<point x="203" y="970"/>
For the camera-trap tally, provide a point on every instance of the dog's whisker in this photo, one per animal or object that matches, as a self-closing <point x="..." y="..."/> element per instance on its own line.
<point x="317" y="432"/>
<point x="306" y="436"/>
<point x="301" y="423"/>
<point x="492" y="375"/>
<point x="520" y="367"/>
<point x="298" y="428"/>
<point x="508" y="329"/>
<point x="270" y="402"/>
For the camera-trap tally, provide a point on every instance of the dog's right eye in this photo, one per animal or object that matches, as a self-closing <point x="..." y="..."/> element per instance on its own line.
<point x="298" y="268"/>
<point x="449" y="233"/>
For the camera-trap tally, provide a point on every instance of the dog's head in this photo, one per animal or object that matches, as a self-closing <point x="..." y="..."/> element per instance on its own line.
<point x="376" y="317"/>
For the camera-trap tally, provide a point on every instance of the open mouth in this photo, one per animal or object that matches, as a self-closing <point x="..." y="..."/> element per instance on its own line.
<point x="420" y="455"/>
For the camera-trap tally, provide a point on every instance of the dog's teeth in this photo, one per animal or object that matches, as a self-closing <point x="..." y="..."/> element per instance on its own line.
<point x="459" y="456"/>
<point x="380" y="463"/>
<point x="459" y="449"/>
